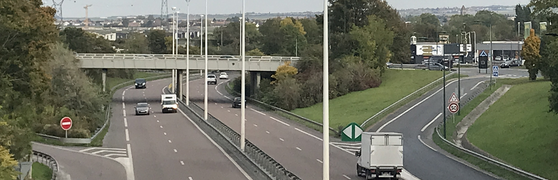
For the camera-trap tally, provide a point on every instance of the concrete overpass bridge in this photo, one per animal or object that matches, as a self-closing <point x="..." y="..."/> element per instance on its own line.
<point x="177" y="63"/>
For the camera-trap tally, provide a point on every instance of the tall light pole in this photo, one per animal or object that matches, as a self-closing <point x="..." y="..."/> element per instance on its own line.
<point x="188" y="54"/>
<point x="205" y="93"/>
<point x="173" y="42"/>
<point x="243" y="79"/>
<point x="240" y="31"/>
<point x="490" y="57"/>
<point x="201" y="40"/>
<point x="325" y="93"/>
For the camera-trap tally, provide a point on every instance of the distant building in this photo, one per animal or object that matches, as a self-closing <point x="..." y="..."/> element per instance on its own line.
<point x="115" y="36"/>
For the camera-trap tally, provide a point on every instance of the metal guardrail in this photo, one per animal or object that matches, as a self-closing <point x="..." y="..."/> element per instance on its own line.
<point x="48" y="161"/>
<point x="263" y="166"/>
<point x="282" y="110"/>
<point x="478" y="155"/>
<point x="107" y="118"/>
<point x="496" y="162"/>
<point x="182" y="57"/>
<point x="384" y="112"/>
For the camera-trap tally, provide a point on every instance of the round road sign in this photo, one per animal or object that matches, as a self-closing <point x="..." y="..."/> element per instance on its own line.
<point x="66" y="123"/>
<point x="453" y="107"/>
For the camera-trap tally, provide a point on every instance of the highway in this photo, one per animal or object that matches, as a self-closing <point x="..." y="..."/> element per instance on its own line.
<point x="297" y="148"/>
<point x="162" y="146"/>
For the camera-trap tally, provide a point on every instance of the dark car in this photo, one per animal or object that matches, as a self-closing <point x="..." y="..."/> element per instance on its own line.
<point x="142" y="108"/>
<point x="141" y="83"/>
<point x="236" y="102"/>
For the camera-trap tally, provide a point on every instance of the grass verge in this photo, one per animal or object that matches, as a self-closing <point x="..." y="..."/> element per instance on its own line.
<point x="519" y="130"/>
<point x="359" y="106"/>
<point x="41" y="172"/>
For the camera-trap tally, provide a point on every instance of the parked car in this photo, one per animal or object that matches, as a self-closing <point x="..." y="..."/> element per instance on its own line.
<point x="236" y="102"/>
<point x="142" y="108"/>
<point x="211" y="79"/>
<point x="223" y="75"/>
<point x="141" y="83"/>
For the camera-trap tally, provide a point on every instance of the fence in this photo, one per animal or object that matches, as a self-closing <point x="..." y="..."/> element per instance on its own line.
<point x="48" y="161"/>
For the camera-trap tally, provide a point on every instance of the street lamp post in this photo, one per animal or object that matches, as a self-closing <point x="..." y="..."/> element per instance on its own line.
<point x="173" y="46"/>
<point x="490" y="56"/>
<point x="205" y="82"/>
<point x="188" y="54"/>
<point x="243" y="78"/>
<point x="240" y="32"/>
<point x="325" y="93"/>
<point x="201" y="39"/>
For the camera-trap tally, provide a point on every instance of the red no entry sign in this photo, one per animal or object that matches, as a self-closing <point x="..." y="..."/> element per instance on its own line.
<point x="66" y="123"/>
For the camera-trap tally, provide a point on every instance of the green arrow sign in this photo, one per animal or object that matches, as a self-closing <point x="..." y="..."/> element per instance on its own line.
<point x="351" y="133"/>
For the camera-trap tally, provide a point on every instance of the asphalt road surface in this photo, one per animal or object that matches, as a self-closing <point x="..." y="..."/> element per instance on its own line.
<point x="78" y="165"/>
<point x="417" y="121"/>
<point x="297" y="148"/>
<point x="162" y="146"/>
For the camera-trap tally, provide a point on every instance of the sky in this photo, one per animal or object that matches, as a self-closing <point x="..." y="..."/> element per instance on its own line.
<point x="106" y="8"/>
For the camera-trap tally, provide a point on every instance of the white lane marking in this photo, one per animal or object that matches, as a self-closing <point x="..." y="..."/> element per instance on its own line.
<point x="425" y="126"/>
<point x="161" y="127"/>
<point x="298" y="149"/>
<point x="190" y="178"/>
<point x="219" y="147"/>
<point x="215" y="103"/>
<point x="154" y="116"/>
<point x="123" y="105"/>
<point x="127" y="135"/>
<point x="346" y="176"/>
<point x="411" y="108"/>
<point x="165" y="133"/>
<point x="255" y="125"/>
<point x="182" y="162"/>
<point x="130" y="174"/>
<point x="122" y="98"/>
<point x="426" y="144"/>
<point x="279" y="121"/>
<point x="320" y="161"/>
<point x="221" y="107"/>
<point x="125" y="122"/>
<point x="236" y="114"/>
<point x="267" y="132"/>
<point x="124" y="111"/>
<point x="281" y="139"/>
<point x="463" y="96"/>
<point x="228" y="110"/>
<point x="175" y="150"/>
<point x="257" y="111"/>
<point x="170" y="141"/>
<point x="157" y="120"/>
<point x="322" y="140"/>
<point x="476" y="85"/>
<point x="123" y="92"/>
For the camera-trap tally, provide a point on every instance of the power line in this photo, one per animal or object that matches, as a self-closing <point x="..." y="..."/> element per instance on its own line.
<point x="164" y="10"/>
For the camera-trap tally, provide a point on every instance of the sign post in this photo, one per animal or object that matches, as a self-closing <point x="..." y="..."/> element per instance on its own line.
<point x="66" y="124"/>
<point x="495" y="73"/>
<point x="483" y="61"/>
<point x="351" y="132"/>
<point x="453" y="106"/>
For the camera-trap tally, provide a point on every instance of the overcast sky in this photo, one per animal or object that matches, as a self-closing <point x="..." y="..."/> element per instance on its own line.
<point x="105" y="8"/>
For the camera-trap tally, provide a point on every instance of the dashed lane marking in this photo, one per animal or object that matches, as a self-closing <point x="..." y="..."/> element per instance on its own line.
<point x="279" y="121"/>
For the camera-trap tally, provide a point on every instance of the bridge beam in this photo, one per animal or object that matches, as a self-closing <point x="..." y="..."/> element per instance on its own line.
<point x="104" y="77"/>
<point x="178" y="83"/>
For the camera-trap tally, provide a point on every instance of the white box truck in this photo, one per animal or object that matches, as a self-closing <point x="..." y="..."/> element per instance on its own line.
<point x="380" y="155"/>
<point x="169" y="103"/>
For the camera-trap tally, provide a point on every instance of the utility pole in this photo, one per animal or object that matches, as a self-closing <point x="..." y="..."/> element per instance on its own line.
<point x="87" y="15"/>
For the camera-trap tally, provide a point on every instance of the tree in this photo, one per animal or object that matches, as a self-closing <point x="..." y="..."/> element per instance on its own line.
<point x="374" y="41"/>
<point x="156" y="41"/>
<point x="7" y="164"/>
<point x="530" y="52"/>
<point x="284" y="71"/>
<point x="255" y="52"/>
<point x="136" y="43"/>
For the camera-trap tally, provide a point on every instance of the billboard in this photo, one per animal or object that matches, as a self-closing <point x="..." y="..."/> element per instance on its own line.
<point x="430" y="50"/>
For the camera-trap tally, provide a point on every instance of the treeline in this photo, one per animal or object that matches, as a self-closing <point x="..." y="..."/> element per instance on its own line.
<point x="40" y="81"/>
<point x="364" y="36"/>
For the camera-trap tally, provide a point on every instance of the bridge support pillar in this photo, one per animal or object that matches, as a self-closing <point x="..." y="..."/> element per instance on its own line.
<point x="255" y="78"/>
<point x="178" y="83"/>
<point x="104" y="77"/>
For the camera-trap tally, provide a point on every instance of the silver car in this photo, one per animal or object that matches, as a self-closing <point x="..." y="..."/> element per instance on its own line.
<point x="142" y="108"/>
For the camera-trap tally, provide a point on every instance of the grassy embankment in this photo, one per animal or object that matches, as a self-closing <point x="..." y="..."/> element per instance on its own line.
<point x="359" y="106"/>
<point x="41" y="172"/>
<point x="504" y="131"/>
<point x="111" y="82"/>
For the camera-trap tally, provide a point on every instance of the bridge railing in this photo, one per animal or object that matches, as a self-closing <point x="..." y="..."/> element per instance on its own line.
<point x="48" y="161"/>
<point x="183" y="57"/>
